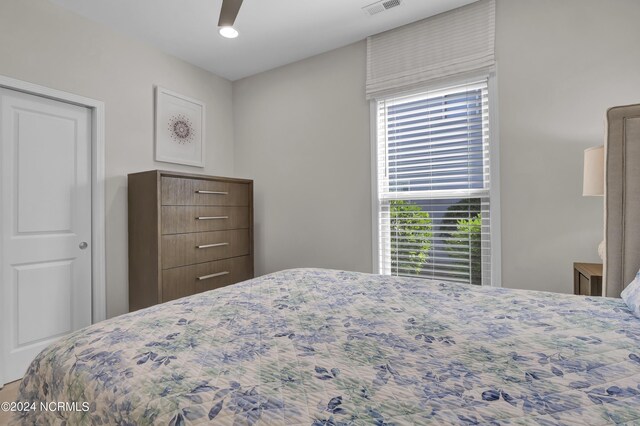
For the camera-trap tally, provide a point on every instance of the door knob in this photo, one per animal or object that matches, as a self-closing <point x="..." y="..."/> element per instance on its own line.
<point x="83" y="245"/>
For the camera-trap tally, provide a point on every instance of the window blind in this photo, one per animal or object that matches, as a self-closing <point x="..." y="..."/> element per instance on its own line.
<point x="452" y="43"/>
<point x="434" y="184"/>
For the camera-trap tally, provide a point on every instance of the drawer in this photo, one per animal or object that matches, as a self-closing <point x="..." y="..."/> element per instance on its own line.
<point x="183" y="219"/>
<point x="188" y="280"/>
<point x="199" y="192"/>
<point x="187" y="249"/>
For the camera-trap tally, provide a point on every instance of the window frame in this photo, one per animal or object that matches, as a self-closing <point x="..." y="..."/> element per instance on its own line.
<point x="494" y="171"/>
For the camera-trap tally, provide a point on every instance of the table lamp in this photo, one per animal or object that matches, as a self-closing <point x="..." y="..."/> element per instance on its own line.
<point x="593" y="181"/>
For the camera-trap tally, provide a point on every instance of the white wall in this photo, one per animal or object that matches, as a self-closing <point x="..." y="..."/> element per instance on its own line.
<point x="47" y="45"/>
<point x="302" y="131"/>
<point x="561" y="64"/>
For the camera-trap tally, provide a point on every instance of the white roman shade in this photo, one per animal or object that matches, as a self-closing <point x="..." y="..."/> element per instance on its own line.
<point x="452" y="43"/>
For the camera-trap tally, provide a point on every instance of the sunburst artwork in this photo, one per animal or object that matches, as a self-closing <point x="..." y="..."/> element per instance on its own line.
<point x="179" y="129"/>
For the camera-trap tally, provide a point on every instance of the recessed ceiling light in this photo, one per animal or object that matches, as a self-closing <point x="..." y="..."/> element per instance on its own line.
<point x="228" y="32"/>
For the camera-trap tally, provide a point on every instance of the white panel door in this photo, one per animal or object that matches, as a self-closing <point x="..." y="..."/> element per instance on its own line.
<point x="45" y="147"/>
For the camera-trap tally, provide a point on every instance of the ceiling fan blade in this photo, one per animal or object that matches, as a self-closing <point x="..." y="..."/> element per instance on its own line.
<point x="228" y="13"/>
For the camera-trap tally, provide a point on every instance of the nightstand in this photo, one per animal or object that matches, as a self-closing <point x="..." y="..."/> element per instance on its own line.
<point x="587" y="279"/>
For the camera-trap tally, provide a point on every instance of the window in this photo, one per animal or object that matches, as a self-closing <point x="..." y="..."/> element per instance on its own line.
<point x="434" y="198"/>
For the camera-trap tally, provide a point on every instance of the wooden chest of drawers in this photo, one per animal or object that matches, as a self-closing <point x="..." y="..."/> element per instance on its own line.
<point x="187" y="234"/>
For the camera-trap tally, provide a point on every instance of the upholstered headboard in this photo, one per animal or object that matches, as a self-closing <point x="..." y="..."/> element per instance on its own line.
<point x="622" y="198"/>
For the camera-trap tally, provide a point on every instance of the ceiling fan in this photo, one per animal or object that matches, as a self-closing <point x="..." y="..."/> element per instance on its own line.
<point x="228" y="14"/>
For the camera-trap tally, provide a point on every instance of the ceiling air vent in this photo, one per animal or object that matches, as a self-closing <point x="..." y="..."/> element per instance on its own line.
<point x="381" y="6"/>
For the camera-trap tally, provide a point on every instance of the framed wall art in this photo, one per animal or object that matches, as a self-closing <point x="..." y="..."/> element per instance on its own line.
<point x="179" y="128"/>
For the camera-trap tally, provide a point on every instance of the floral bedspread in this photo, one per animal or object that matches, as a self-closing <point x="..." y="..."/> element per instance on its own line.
<point x="321" y="347"/>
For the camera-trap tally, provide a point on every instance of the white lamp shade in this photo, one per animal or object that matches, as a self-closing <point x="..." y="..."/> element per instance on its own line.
<point x="593" y="183"/>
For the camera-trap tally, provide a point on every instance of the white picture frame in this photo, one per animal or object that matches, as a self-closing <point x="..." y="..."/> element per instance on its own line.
<point x="179" y="128"/>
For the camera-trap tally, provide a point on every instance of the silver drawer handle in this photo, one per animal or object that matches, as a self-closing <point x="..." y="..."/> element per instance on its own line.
<point x="211" y="217"/>
<point x="212" y="192"/>
<point x="219" y="274"/>
<point x="212" y="245"/>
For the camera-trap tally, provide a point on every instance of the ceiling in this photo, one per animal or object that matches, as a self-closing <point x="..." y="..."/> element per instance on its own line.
<point x="272" y="32"/>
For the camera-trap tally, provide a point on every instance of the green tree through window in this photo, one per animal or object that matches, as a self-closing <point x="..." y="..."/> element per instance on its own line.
<point x="411" y="233"/>
<point x="465" y="244"/>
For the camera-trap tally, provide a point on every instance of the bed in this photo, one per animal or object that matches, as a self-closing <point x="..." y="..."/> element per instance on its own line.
<point x="323" y="347"/>
<point x="312" y="346"/>
<point x="622" y="198"/>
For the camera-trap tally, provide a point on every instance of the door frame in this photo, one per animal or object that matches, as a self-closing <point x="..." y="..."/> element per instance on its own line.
<point x="98" y="235"/>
